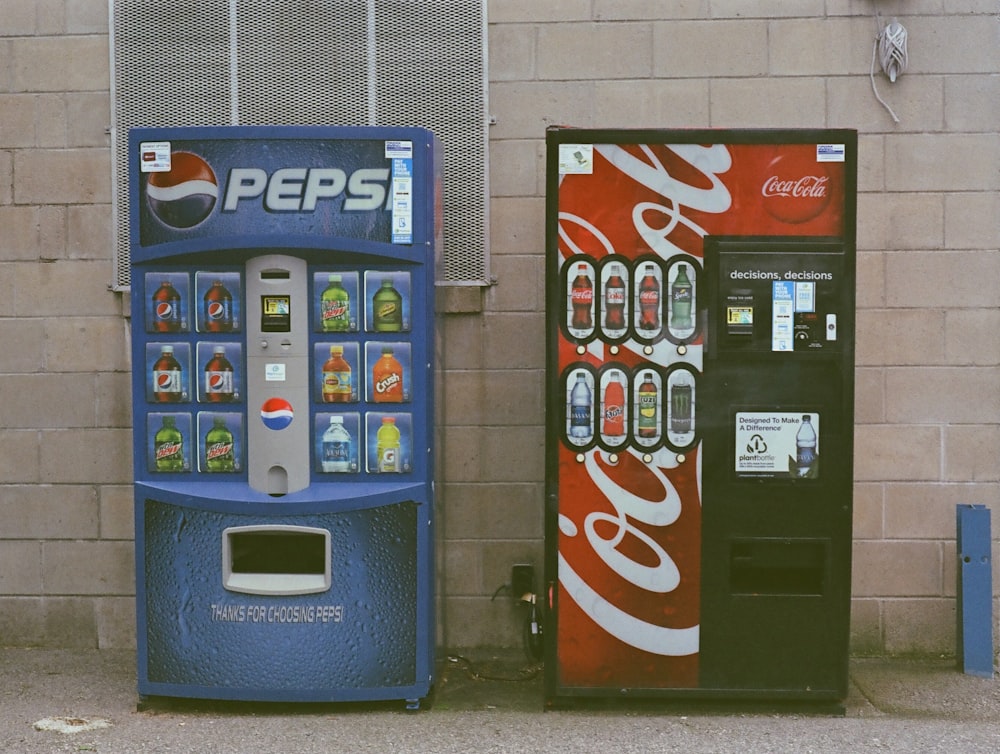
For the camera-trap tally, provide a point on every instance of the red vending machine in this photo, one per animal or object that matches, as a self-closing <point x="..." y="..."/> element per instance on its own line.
<point x="700" y="341"/>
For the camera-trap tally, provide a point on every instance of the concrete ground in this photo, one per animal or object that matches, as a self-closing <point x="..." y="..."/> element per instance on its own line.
<point x="484" y="702"/>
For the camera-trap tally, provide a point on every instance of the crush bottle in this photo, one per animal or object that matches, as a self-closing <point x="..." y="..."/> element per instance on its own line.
<point x="387" y="378"/>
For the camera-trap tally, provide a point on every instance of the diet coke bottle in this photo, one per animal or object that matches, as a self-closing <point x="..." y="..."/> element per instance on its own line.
<point x="614" y="300"/>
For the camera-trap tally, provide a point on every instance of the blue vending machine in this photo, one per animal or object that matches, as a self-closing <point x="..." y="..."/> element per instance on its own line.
<point x="282" y="299"/>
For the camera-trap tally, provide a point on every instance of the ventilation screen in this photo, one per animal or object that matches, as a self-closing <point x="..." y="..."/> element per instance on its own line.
<point x="288" y="62"/>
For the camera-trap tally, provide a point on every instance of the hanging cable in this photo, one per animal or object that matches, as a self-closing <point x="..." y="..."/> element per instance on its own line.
<point x="890" y="50"/>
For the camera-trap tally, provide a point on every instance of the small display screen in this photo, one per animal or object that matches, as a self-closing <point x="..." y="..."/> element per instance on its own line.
<point x="275" y="313"/>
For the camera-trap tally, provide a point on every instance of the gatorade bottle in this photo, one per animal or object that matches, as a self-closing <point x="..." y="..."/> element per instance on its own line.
<point x="387" y="446"/>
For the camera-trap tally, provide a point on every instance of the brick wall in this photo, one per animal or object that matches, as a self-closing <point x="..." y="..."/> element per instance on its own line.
<point x="928" y="401"/>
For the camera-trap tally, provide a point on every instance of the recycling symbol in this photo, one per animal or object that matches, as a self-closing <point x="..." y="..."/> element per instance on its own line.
<point x="756" y="444"/>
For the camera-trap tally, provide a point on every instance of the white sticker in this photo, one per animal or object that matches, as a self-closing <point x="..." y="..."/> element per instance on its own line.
<point x="274" y="372"/>
<point x="774" y="443"/>
<point x="830" y="153"/>
<point x="154" y="157"/>
<point x="576" y="159"/>
<point x="402" y="150"/>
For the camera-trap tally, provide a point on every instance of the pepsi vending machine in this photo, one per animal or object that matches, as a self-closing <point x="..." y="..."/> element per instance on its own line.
<point x="282" y="304"/>
<point x="700" y="413"/>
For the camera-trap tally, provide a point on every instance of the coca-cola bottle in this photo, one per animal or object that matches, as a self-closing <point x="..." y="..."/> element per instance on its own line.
<point x="646" y="422"/>
<point x="218" y="308"/>
<point x="614" y="407"/>
<point x="167" y="377"/>
<point x="582" y="299"/>
<point x="166" y="308"/>
<point x="614" y="300"/>
<point x="649" y="299"/>
<point x="219" y="387"/>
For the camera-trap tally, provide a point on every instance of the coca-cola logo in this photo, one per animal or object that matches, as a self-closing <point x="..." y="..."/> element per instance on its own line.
<point x="795" y="189"/>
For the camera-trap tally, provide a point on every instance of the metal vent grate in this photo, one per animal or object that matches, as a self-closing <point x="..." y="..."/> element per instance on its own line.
<point x="321" y="62"/>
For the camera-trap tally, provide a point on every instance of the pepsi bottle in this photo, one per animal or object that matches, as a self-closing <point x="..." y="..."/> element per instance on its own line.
<point x="218" y="308"/>
<point x="219" y="387"/>
<point x="166" y="308"/>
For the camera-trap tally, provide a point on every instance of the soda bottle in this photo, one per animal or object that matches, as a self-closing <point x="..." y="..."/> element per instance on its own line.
<point x="581" y="408"/>
<point x="335" y="306"/>
<point x="219" y="386"/>
<point x="336" y="446"/>
<point x="168" y="446"/>
<point x="219" y="452"/>
<point x="680" y="406"/>
<point x="647" y="407"/>
<point x="166" y="308"/>
<point x="805" y="447"/>
<point x="387" y="378"/>
<point x="167" y="377"/>
<point x="649" y="299"/>
<point x="614" y="407"/>
<point x="218" y="308"/>
<point x="681" y="295"/>
<point x="582" y="298"/>
<point x="387" y="446"/>
<point x="614" y="300"/>
<point x="336" y="377"/>
<point x="387" y="308"/>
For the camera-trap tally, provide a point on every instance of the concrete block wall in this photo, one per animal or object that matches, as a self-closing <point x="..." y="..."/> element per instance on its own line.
<point x="928" y="401"/>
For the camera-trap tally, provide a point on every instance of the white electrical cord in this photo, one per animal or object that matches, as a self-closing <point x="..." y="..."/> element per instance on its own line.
<point x="890" y="49"/>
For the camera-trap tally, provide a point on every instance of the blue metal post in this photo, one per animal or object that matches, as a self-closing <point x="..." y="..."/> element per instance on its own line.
<point x="975" y="590"/>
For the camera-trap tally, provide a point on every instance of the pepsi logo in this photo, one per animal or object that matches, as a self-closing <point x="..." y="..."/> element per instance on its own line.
<point x="185" y="195"/>
<point x="795" y="189"/>
<point x="164" y="380"/>
<point x="216" y="310"/>
<point x="164" y="310"/>
<point x="276" y="413"/>
<point x="217" y="381"/>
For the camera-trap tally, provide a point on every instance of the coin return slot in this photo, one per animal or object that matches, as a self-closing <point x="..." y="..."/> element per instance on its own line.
<point x="778" y="567"/>
<point x="276" y="560"/>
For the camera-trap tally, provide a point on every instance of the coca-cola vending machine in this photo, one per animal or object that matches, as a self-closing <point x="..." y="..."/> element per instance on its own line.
<point x="282" y="289"/>
<point x="700" y="333"/>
